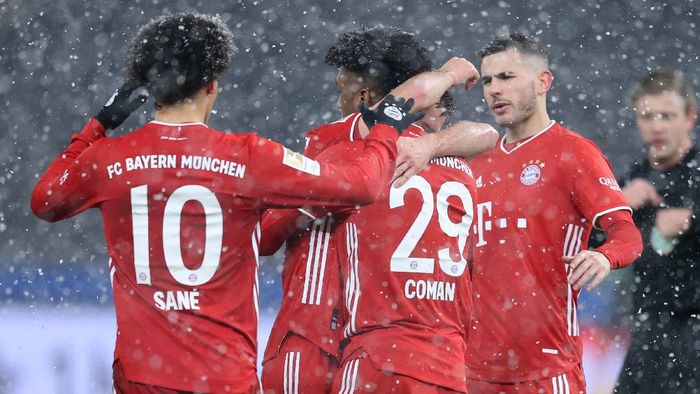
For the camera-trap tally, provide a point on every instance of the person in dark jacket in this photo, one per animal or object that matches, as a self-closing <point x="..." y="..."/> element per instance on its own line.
<point x="663" y="189"/>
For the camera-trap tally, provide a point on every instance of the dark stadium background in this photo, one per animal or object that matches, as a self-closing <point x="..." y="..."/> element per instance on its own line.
<point x="60" y="60"/>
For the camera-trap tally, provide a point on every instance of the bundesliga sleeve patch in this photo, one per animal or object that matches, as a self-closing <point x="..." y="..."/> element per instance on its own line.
<point x="301" y="162"/>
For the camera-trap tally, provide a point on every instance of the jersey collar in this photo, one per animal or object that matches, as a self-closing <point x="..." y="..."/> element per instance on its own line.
<point x="526" y="140"/>
<point x="178" y="124"/>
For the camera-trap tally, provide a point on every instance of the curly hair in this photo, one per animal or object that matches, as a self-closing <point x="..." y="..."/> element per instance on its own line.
<point x="523" y="43"/>
<point x="173" y="56"/>
<point x="385" y="56"/>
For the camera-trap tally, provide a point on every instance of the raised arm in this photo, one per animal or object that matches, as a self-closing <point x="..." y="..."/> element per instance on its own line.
<point x="287" y="179"/>
<point x="427" y="88"/>
<point x="464" y="139"/>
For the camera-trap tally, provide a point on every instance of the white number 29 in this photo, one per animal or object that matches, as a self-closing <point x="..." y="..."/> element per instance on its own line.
<point x="401" y="261"/>
<point x="171" y="234"/>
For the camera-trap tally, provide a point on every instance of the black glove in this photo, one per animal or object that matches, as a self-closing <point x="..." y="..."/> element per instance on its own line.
<point x="392" y="111"/>
<point x="122" y="103"/>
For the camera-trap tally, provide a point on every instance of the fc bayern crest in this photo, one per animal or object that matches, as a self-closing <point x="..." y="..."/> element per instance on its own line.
<point x="531" y="172"/>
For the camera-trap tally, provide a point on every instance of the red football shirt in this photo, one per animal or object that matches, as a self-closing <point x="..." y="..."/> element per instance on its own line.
<point x="310" y="276"/>
<point x="406" y="280"/>
<point x="181" y="206"/>
<point x="538" y="202"/>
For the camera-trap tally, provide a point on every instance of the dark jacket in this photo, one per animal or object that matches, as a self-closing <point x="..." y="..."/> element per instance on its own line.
<point x="670" y="282"/>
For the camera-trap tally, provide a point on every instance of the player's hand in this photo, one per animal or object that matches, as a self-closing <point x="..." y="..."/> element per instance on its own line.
<point x="414" y="155"/>
<point x="392" y="111"/>
<point x="672" y="222"/>
<point x="587" y="265"/>
<point x="463" y="71"/>
<point x="639" y="192"/>
<point x="122" y="103"/>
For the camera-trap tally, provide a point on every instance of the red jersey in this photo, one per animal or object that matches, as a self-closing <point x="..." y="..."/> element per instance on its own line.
<point x="310" y="275"/>
<point x="406" y="280"/>
<point x="181" y="205"/>
<point x="537" y="202"/>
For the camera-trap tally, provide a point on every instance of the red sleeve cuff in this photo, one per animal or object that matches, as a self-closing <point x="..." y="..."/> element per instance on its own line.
<point x="624" y="243"/>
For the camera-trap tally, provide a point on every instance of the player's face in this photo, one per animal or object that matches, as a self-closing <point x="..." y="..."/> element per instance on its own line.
<point x="664" y="125"/>
<point x="510" y="87"/>
<point x="434" y="118"/>
<point x="350" y="86"/>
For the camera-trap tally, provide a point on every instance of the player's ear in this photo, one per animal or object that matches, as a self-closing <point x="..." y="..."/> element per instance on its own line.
<point x="366" y="95"/>
<point x="544" y="81"/>
<point x="212" y="87"/>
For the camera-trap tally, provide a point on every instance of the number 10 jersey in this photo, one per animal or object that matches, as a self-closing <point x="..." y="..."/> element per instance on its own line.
<point x="181" y="205"/>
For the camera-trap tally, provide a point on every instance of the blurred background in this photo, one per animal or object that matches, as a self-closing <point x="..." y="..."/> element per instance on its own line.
<point x="60" y="60"/>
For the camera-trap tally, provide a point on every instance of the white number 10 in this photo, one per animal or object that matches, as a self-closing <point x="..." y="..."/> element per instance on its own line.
<point x="171" y="234"/>
<point x="401" y="261"/>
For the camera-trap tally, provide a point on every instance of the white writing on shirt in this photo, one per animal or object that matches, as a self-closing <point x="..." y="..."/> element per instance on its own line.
<point x="453" y="162"/>
<point x="429" y="290"/>
<point x="609" y="182"/>
<point x="176" y="300"/>
<point x="190" y="162"/>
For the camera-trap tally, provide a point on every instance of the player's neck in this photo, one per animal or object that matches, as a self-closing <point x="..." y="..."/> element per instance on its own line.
<point x="187" y="112"/>
<point x="531" y="126"/>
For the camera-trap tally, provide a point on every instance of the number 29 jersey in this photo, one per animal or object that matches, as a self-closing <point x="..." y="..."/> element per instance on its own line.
<point x="405" y="275"/>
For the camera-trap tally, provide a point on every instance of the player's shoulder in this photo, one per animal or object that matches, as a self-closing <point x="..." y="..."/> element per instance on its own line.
<point x="341" y="128"/>
<point x="570" y="138"/>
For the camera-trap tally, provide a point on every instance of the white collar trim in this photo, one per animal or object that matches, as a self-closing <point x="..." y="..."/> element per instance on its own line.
<point x="178" y="124"/>
<point x="503" y="140"/>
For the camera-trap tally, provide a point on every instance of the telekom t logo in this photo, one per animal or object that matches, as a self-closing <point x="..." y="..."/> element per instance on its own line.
<point x="483" y="209"/>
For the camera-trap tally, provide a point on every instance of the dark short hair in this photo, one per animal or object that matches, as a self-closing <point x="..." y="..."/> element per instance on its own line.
<point x="665" y="80"/>
<point x="174" y="56"/>
<point x="385" y="56"/>
<point x="521" y="42"/>
<point x="448" y="102"/>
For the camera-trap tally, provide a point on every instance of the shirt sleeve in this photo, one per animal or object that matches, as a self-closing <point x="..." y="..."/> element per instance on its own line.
<point x="624" y="243"/>
<point x="283" y="178"/>
<point x="67" y="186"/>
<point x="277" y="226"/>
<point x="592" y="183"/>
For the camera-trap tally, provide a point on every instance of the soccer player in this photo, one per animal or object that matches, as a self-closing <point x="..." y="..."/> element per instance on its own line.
<point x="303" y="349"/>
<point x="406" y="284"/>
<point x="541" y="191"/>
<point x="663" y="188"/>
<point x="182" y="203"/>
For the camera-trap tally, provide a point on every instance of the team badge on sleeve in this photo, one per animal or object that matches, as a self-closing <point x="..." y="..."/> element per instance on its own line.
<point x="531" y="172"/>
<point x="301" y="162"/>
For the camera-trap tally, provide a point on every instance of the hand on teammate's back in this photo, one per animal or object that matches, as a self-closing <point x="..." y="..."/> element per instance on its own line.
<point x="392" y="111"/>
<point x="463" y="71"/>
<point x="123" y="102"/>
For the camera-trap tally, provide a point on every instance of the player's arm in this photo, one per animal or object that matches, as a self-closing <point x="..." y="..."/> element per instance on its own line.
<point x="622" y="247"/>
<point x="277" y="226"/>
<point x="66" y="187"/>
<point x="463" y="139"/>
<point x="426" y="88"/>
<point x="597" y="195"/>
<point x="284" y="178"/>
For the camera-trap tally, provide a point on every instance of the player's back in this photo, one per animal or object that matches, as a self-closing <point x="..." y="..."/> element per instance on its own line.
<point x="310" y="279"/>
<point x="180" y="219"/>
<point x="405" y="275"/>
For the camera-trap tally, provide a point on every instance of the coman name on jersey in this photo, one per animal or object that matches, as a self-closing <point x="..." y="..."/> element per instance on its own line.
<point x="429" y="290"/>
